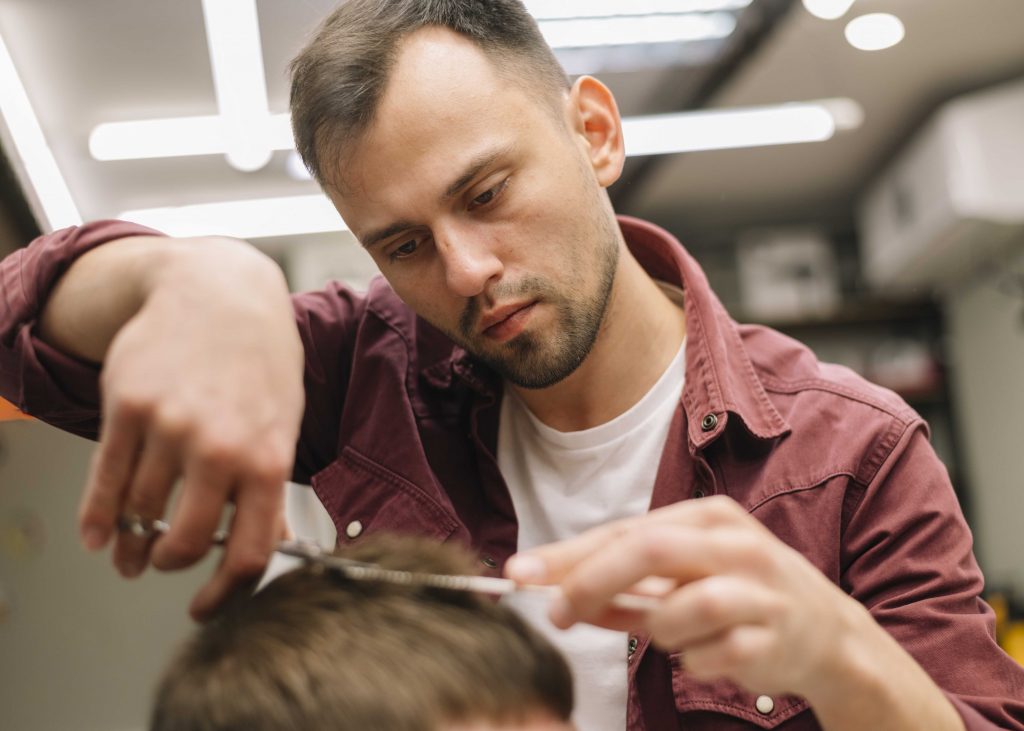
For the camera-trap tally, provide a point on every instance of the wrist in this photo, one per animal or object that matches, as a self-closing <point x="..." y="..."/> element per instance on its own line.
<point x="182" y="265"/>
<point x="851" y="666"/>
<point x="869" y="681"/>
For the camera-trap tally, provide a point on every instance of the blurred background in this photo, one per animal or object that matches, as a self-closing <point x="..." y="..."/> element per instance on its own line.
<point x="849" y="172"/>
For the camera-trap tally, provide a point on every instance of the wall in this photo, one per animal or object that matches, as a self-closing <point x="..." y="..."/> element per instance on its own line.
<point x="80" y="648"/>
<point x="986" y="343"/>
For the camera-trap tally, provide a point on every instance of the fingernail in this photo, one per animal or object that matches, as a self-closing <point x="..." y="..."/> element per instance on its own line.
<point x="526" y="568"/>
<point x="94" y="538"/>
<point x="560" y="613"/>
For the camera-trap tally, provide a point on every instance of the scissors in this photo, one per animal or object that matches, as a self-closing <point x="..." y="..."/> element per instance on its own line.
<point x="313" y="553"/>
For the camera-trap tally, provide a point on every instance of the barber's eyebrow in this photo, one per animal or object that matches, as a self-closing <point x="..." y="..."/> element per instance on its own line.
<point x="383" y="233"/>
<point x="473" y="168"/>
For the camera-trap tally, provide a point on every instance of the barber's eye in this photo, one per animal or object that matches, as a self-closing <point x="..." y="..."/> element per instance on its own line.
<point x="405" y="250"/>
<point x="488" y="196"/>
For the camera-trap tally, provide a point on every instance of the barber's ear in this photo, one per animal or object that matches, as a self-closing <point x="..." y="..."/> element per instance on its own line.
<point x="595" y="116"/>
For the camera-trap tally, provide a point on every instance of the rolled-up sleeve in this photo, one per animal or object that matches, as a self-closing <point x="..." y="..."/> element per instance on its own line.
<point x="908" y="558"/>
<point x="39" y="379"/>
<point x="64" y="391"/>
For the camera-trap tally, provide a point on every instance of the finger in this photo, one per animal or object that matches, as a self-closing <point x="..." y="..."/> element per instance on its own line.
<point x="255" y="528"/>
<point x="698" y="611"/>
<point x="206" y="601"/>
<point x="549" y="564"/>
<point x="157" y="470"/>
<point x="733" y="653"/>
<point x="680" y="553"/>
<point x="205" y="492"/>
<point x="109" y="476"/>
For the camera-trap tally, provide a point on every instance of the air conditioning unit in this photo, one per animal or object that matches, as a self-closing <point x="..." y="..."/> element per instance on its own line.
<point x="954" y="198"/>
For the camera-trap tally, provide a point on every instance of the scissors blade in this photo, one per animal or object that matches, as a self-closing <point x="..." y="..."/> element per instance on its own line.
<point x="360" y="571"/>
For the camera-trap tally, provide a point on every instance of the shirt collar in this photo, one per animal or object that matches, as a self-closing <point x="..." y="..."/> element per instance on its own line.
<point x="720" y="378"/>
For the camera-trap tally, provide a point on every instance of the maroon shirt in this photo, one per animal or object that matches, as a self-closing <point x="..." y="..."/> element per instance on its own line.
<point x="400" y="433"/>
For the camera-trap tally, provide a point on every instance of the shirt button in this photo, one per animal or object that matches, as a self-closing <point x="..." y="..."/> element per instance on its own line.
<point x="764" y="704"/>
<point x="354" y="529"/>
<point x="709" y="422"/>
<point x="633" y="644"/>
<point x="489" y="562"/>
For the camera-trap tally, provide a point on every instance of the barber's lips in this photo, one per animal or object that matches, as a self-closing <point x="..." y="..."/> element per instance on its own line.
<point x="508" y="324"/>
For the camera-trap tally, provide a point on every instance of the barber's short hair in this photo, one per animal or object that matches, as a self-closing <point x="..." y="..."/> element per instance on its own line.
<point x="314" y="651"/>
<point x="339" y="78"/>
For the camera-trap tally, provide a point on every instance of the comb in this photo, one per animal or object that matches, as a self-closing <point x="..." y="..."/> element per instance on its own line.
<point x="313" y="553"/>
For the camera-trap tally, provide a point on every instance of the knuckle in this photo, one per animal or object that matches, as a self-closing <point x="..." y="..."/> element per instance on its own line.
<point x="133" y="404"/>
<point x="171" y="423"/>
<point x="736" y="652"/>
<point x="724" y="507"/>
<point x="220" y="452"/>
<point x="651" y="546"/>
<point x="749" y="548"/>
<point x="270" y="468"/>
<point x="709" y="603"/>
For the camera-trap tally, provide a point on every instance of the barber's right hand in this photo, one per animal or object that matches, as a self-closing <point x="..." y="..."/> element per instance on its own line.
<point x="202" y="384"/>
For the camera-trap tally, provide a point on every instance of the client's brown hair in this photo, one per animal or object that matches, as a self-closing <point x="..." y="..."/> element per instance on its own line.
<point x="313" y="650"/>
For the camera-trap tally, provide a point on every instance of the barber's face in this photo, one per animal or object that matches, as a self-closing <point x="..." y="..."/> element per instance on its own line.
<point x="485" y="210"/>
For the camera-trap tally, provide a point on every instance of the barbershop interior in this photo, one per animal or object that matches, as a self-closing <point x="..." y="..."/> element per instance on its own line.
<point x="847" y="172"/>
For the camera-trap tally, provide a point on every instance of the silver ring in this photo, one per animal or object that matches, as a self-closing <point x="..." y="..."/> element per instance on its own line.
<point x="140" y="527"/>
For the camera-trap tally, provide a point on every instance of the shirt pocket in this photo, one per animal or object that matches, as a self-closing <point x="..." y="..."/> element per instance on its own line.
<point x="721" y="704"/>
<point x="363" y="496"/>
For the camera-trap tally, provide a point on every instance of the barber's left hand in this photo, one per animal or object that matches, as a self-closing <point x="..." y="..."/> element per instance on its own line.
<point x="738" y="603"/>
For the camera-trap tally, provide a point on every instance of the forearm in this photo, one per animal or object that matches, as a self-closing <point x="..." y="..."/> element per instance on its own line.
<point x="106" y="287"/>
<point x="873" y="683"/>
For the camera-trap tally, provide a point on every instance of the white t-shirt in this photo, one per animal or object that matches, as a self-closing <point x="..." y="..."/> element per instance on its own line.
<point x="563" y="483"/>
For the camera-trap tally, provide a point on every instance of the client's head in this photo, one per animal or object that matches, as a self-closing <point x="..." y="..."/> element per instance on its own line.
<point x="313" y="650"/>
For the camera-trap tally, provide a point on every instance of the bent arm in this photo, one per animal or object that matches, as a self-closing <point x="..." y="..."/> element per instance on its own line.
<point x="914" y="571"/>
<point x="202" y="380"/>
<point x="107" y="286"/>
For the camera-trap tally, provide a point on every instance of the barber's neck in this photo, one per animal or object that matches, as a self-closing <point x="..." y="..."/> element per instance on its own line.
<point x="641" y="333"/>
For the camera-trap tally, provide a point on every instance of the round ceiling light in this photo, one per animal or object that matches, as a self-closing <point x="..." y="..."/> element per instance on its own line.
<point x="875" y="31"/>
<point x="828" y="9"/>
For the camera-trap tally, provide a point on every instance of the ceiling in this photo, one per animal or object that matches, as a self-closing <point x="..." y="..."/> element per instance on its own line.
<point x="85" y="62"/>
<point x="951" y="46"/>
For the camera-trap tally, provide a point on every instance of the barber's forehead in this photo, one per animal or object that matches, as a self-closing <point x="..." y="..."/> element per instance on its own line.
<point x="429" y="123"/>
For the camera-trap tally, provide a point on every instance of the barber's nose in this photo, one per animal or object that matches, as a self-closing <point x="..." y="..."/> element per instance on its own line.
<point x="469" y="263"/>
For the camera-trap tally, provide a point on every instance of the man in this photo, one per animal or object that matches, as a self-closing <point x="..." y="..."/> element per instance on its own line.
<point x="531" y="369"/>
<point x="313" y="650"/>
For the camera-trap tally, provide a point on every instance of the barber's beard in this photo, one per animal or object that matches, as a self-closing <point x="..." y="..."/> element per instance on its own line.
<point x="538" y="359"/>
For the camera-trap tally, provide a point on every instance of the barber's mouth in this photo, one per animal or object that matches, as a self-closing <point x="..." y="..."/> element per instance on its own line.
<point x="510" y="325"/>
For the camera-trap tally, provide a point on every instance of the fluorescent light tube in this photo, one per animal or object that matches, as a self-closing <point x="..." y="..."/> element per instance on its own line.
<point x="246" y="219"/>
<point x="561" y="9"/>
<point x="49" y="188"/>
<point x="630" y="30"/>
<point x="177" y="137"/>
<point x="236" y="58"/>
<point x="828" y="9"/>
<point x="654" y="135"/>
<point x="875" y="32"/>
<point x="158" y="138"/>
<point x="730" y="128"/>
